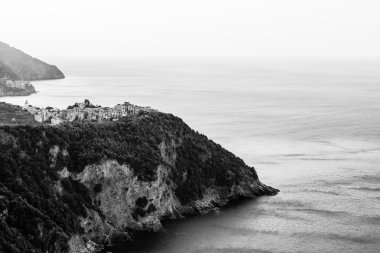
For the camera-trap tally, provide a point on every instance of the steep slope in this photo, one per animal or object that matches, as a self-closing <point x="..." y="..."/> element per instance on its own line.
<point x="26" y="67"/>
<point x="74" y="187"/>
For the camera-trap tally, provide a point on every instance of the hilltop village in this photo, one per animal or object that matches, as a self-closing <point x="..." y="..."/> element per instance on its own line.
<point x="84" y="111"/>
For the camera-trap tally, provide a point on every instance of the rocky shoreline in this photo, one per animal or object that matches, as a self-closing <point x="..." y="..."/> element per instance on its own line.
<point x="137" y="237"/>
<point x="119" y="206"/>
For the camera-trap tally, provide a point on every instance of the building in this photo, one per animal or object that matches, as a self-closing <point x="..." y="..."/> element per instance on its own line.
<point x="84" y="111"/>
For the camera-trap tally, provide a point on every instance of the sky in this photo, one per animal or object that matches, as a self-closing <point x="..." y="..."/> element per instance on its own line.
<point x="50" y="29"/>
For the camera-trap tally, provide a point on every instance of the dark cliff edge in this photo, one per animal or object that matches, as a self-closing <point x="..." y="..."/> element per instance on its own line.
<point x="78" y="186"/>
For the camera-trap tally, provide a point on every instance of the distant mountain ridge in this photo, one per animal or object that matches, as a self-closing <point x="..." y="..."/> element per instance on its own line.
<point x="17" y="65"/>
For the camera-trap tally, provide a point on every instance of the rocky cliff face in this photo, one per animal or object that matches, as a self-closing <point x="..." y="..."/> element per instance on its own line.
<point x="20" y="66"/>
<point x="75" y="187"/>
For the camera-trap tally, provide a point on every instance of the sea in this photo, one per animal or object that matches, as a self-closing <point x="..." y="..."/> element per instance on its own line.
<point x="311" y="128"/>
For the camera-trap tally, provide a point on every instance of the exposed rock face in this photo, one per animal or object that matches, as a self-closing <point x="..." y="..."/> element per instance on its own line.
<point x="20" y="66"/>
<point x="128" y="202"/>
<point x="108" y="179"/>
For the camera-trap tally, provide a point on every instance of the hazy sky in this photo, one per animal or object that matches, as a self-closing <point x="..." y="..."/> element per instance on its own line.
<point x="192" y="28"/>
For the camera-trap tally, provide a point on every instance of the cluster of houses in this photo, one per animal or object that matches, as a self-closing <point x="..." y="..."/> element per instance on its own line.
<point x="15" y="88"/>
<point x="18" y="84"/>
<point x="84" y="111"/>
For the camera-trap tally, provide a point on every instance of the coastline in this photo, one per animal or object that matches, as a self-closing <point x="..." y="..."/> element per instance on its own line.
<point x="18" y="93"/>
<point x="321" y="166"/>
<point x="24" y="90"/>
<point x="137" y="239"/>
<point x="117" y="188"/>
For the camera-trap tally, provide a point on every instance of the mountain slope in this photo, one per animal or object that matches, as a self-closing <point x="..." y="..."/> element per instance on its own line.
<point x="74" y="187"/>
<point x="26" y="67"/>
<point x="7" y="73"/>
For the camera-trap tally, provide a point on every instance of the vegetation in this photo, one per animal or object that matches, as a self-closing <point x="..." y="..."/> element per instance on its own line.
<point x="13" y="114"/>
<point x="34" y="217"/>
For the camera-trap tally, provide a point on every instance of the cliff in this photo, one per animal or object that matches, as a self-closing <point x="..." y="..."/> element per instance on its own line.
<point x="25" y="67"/>
<point x="75" y="187"/>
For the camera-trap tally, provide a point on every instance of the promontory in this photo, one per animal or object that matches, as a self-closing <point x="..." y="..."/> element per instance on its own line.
<point x="76" y="186"/>
<point x="17" y="69"/>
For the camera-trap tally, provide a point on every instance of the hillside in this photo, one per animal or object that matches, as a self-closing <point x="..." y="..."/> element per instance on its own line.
<point x="15" y="115"/>
<point x="21" y="66"/>
<point x="6" y="72"/>
<point x="78" y="186"/>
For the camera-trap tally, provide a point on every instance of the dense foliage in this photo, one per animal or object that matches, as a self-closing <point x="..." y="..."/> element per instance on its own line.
<point x="35" y="218"/>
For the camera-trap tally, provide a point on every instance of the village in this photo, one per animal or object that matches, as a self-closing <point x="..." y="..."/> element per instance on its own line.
<point x="9" y="87"/>
<point x="18" y="84"/>
<point x="84" y="111"/>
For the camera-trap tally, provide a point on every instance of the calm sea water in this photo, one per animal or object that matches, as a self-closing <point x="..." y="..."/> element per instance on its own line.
<point x="311" y="129"/>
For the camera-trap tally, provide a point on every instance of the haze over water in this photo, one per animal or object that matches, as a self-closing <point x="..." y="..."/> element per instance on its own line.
<point x="311" y="129"/>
